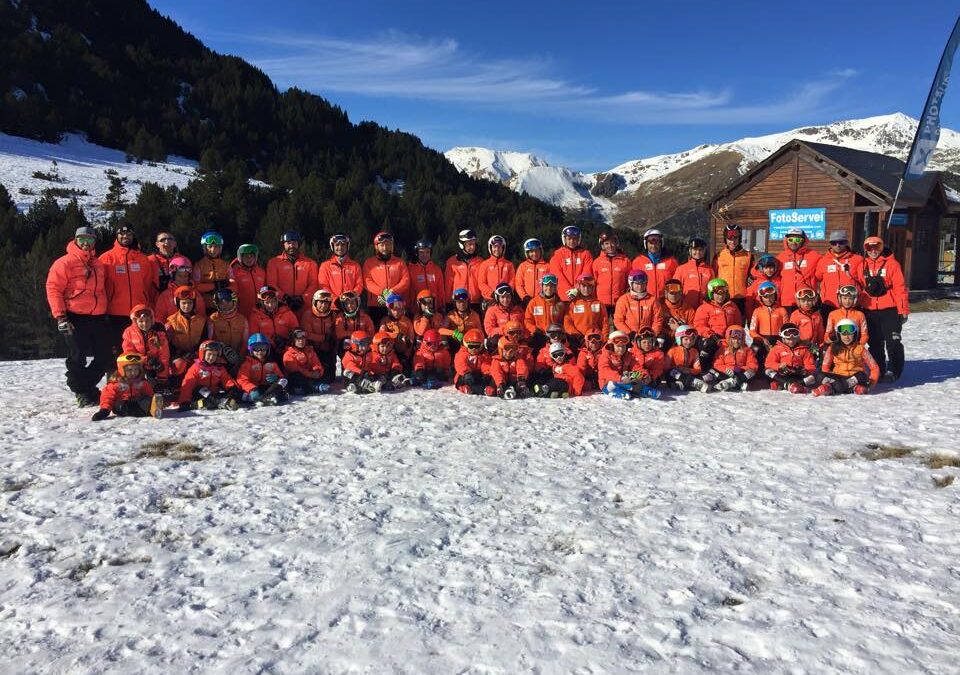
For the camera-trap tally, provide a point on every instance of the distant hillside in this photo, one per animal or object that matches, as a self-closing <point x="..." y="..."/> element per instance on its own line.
<point x="671" y="191"/>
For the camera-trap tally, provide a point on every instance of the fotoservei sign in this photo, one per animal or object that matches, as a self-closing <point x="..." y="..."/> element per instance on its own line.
<point x="813" y="222"/>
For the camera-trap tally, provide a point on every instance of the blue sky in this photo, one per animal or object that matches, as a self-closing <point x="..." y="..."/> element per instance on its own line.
<point x="591" y="86"/>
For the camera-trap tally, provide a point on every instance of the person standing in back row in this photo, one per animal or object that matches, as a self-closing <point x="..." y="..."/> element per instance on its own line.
<point x="838" y="267"/>
<point x="294" y="275"/>
<point x="132" y="279"/>
<point x="77" y="295"/>
<point x="886" y="305"/>
<point x="384" y="274"/>
<point x="733" y="265"/>
<point x="656" y="262"/>
<point x="569" y="262"/>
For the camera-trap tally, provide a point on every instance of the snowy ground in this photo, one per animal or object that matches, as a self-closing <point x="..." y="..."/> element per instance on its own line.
<point x="81" y="167"/>
<point x="430" y="532"/>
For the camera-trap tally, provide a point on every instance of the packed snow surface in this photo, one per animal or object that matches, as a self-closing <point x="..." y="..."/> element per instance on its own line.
<point x="432" y="532"/>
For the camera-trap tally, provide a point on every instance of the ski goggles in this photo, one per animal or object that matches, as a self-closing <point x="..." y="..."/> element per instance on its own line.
<point x="129" y="360"/>
<point x="339" y="239"/>
<point x="645" y="334"/>
<point x="593" y="338"/>
<point x="872" y="247"/>
<point x="739" y="334"/>
<point x="846" y="329"/>
<point x="349" y="296"/>
<point x="365" y="342"/>
<point x="85" y="239"/>
<point x="794" y="240"/>
<point x="790" y="333"/>
<point x="473" y="346"/>
<point x="266" y="292"/>
<point x="180" y="268"/>
<point x="382" y="237"/>
<point x="806" y="294"/>
<point x="768" y="292"/>
<point x="549" y="279"/>
<point x="260" y="347"/>
<point x="144" y="313"/>
<point x="849" y="289"/>
<point x="687" y="332"/>
<point x="461" y="294"/>
<point x="672" y="286"/>
<point x="298" y="334"/>
<point x="840" y="242"/>
<point x="211" y="239"/>
<point x="620" y="340"/>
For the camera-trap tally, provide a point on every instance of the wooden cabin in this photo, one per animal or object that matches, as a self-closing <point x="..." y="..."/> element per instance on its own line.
<point x="823" y="188"/>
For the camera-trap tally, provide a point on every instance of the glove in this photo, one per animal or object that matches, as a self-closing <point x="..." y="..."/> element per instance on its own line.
<point x="64" y="326"/>
<point x="101" y="414"/>
<point x="384" y="294"/>
<point x="730" y="372"/>
<point x="457" y="335"/>
<point x="903" y="319"/>
<point x="272" y="378"/>
<point x="153" y="363"/>
<point x="784" y="369"/>
<point x="490" y="344"/>
<point x="252" y="396"/>
<point x="231" y="355"/>
<point x="749" y="374"/>
<point x="295" y="302"/>
<point x="283" y="382"/>
<point x="572" y="294"/>
<point x="675" y="374"/>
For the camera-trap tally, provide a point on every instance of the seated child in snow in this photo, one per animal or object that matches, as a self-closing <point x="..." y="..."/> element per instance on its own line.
<point x="589" y="359"/>
<point x="564" y="379"/>
<point x="302" y="365"/>
<point x="149" y="340"/>
<point x="431" y="363"/>
<point x="127" y="393"/>
<point x="735" y="364"/>
<point x="847" y="364"/>
<point x="789" y="364"/>
<point x="509" y="372"/>
<point x="472" y="365"/>
<point x="367" y="370"/>
<point x="618" y="372"/>
<point x="207" y="383"/>
<point x="651" y="361"/>
<point x="847" y="297"/>
<point x="683" y="360"/>
<point x="261" y="379"/>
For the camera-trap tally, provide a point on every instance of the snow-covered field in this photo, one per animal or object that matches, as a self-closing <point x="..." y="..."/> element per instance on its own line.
<point x="430" y="532"/>
<point x="81" y="167"/>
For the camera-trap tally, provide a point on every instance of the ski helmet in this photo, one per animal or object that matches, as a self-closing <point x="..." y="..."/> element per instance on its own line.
<point x="767" y="289"/>
<point x="683" y="331"/>
<point x="431" y="338"/>
<point x="732" y="231"/>
<point x="139" y="310"/>
<point x="697" y="242"/>
<point x="322" y="295"/>
<point x="339" y="238"/>
<point x="652" y="232"/>
<point x="381" y="237"/>
<point x="672" y="286"/>
<point x="506" y="346"/>
<point x="845" y="326"/>
<point x="179" y="263"/>
<point x="558" y="352"/>
<point x="606" y="236"/>
<point x="473" y="339"/>
<point x="767" y="260"/>
<point x="224" y="296"/>
<point x="502" y="289"/>
<point x="513" y="329"/>
<point x="349" y="303"/>
<point x="618" y="337"/>
<point x="394" y="299"/>
<point x="424" y="294"/>
<point x="645" y="333"/>
<point x="495" y="239"/>
<point x="266" y="292"/>
<point x="637" y="276"/>
<point x="257" y="341"/>
<point x="734" y="331"/>
<point x="209" y="346"/>
<point x="713" y="285"/>
<point x="464" y="236"/>
<point x="571" y="231"/>
<point x="298" y="334"/>
<point x="381" y="337"/>
<point x="211" y="239"/>
<point x="247" y="249"/>
<point x="549" y="279"/>
<point x="586" y="278"/>
<point x="461" y="294"/>
<point x="806" y="293"/>
<point x="185" y="293"/>
<point x="423" y="244"/>
<point x="358" y="339"/>
<point x="290" y="235"/>
<point x="789" y="330"/>
<point x="531" y="244"/>
<point x="128" y="359"/>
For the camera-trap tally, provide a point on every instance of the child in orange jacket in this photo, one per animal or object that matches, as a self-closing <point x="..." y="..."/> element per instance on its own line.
<point x="713" y="317"/>
<point x="303" y="367"/>
<point x="588" y="359"/>
<point x="619" y="373"/>
<point x="127" y="393"/>
<point x="398" y="325"/>
<point x="564" y="379"/>
<point x="260" y="378"/>
<point x="808" y="320"/>
<point x="683" y="360"/>
<point x="735" y="363"/>
<point x="472" y="365"/>
<point x="651" y="362"/>
<point x="848" y="365"/>
<point x="431" y="363"/>
<point x="509" y="372"/>
<point x="148" y="339"/>
<point x="426" y="316"/>
<point x="386" y="365"/>
<point x="767" y="319"/>
<point x="207" y="383"/>
<point x="351" y="319"/>
<point x="212" y="273"/>
<point x="767" y="271"/>
<point x="847" y="297"/>
<point x="789" y="364"/>
<point x="359" y="370"/>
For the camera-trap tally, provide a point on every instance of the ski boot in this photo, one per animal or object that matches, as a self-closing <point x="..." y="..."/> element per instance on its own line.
<point x="726" y="385"/>
<point x="156" y="406"/>
<point x="700" y="385"/>
<point x="509" y="393"/>
<point x="861" y="389"/>
<point x="646" y="391"/>
<point x="774" y="385"/>
<point x="797" y="388"/>
<point x="823" y="390"/>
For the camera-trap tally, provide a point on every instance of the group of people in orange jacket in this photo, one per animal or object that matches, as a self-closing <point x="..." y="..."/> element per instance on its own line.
<point x="215" y="333"/>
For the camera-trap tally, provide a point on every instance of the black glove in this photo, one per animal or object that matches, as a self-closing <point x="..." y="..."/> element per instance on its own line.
<point x="221" y="284"/>
<point x="153" y="363"/>
<point x="230" y="355"/>
<point x="490" y="344"/>
<point x="295" y="302"/>
<point x="101" y="414"/>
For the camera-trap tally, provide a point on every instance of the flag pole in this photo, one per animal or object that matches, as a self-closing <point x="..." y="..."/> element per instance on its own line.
<point x="893" y="206"/>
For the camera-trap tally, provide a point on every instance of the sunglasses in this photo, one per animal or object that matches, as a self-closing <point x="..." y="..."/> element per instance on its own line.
<point x="806" y="294"/>
<point x="846" y="330"/>
<point x="841" y="242"/>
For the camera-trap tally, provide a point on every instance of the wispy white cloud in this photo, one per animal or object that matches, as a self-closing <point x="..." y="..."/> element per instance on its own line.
<point x="397" y="65"/>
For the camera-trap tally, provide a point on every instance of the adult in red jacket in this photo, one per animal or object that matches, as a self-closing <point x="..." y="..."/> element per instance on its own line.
<point x="292" y="273"/>
<point x="166" y="245"/>
<point x="838" y="267"/>
<point x="425" y="275"/>
<point x="886" y="305"/>
<point x="610" y="269"/>
<point x="570" y="261"/>
<point x="248" y="278"/>
<point x="272" y="319"/>
<point x="638" y="308"/>
<point x="461" y="270"/>
<point x="656" y="262"/>
<point x="531" y="271"/>
<point x="383" y="275"/>
<point x="695" y="274"/>
<point x="340" y="273"/>
<point x="798" y="266"/>
<point x="77" y="295"/>
<point x="132" y="279"/>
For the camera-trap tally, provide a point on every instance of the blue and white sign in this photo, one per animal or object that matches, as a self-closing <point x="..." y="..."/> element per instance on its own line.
<point x="813" y="222"/>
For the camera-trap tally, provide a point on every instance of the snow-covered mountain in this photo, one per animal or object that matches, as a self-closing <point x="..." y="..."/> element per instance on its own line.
<point x="77" y="168"/>
<point x="693" y="175"/>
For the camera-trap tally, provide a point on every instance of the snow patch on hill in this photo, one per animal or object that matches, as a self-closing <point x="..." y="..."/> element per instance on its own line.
<point x="79" y="167"/>
<point x="432" y="532"/>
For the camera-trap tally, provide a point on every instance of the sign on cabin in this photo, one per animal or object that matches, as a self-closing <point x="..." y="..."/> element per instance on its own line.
<point x="812" y="221"/>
